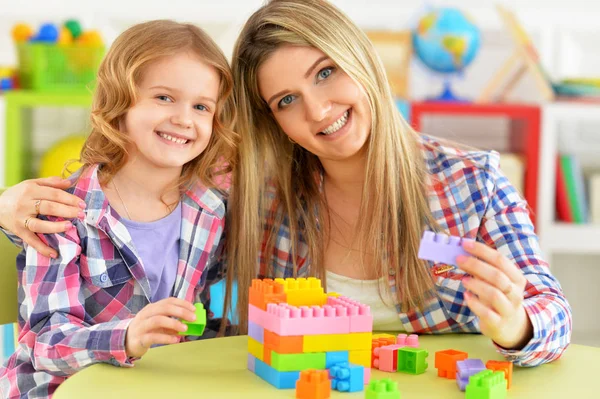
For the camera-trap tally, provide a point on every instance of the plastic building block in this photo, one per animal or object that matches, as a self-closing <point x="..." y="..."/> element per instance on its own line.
<point x="441" y="247"/>
<point x="255" y="348"/>
<point x="412" y="360"/>
<point x="360" y="341"/>
<point x="486" y="384"/>
<point x="361" y="319"/>
<point x="506" y="367"/>
<point x="267" y="355"/>
<point x="263" y="292"/>
<point x="387" y="358"/>
<point x="367" y="371"/>
<point x="256" y="332"/>
<point x="382" y="389"/>
<point x="347" y="377"/>
<point x="303" y="291"/>
<point x="445" y="362"/>
<point x="279" y="379"/>
<point x="326" y="343"/>
<point x="332" y="358"/>
<point x="297" y="361"/>
<point x="360" y="358"/>
<point x="412" y="340"/>
<point x="313" y="384"/>
<point x="378" y="341"/>
<point x="285" y="344"/>
<point x="284" y="319"/>
<point x="465" y="369"/>
<point x="196" y="327"/>
<point x="251" y="362"/>
<point x="385" y="337"/>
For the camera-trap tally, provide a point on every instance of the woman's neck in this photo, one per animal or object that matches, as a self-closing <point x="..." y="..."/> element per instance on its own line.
<point x="346" y="177"/>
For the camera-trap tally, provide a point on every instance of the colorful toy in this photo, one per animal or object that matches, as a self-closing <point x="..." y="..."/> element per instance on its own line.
<point x="54" y="160"/>
<point x="441" y="248"/>
<point x="486" y="384"/>
<point x="91" y="38"/>
<point x="379" y="340"/>
<point x="412" y="340"/>
<point x="196" y="327"/>
<point x="313" y="384"/>
<point x="465" y="369"/>
<point x="320" y="332"/>
<point x="445" y="362"/>
<point x="65" y="37"/>
<point x="506" y="367"/>
<point x="412" y="360"/>
<point x="74" y="27"/>
<point x="48" y="33"/>
<point x="21" y="32"/>
<point x="382" y="389"/>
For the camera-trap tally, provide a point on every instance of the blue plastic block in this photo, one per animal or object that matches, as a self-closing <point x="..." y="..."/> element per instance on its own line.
<point x="347" y="377"/>
<point x="279" y="379"/>
<point x="256" y="332"/>
<point x="441" y="248"/>
<point x="217" y="300"/>
<point x="332" y="358"/>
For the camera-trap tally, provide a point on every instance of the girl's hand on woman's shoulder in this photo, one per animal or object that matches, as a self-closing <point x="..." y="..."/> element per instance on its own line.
<point x="21" y="204"/>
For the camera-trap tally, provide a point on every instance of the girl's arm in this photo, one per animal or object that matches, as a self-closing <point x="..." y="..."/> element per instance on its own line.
<point x="56" y="329"/>
<point x="506" y="226"/>
<point x="19" y="203"/>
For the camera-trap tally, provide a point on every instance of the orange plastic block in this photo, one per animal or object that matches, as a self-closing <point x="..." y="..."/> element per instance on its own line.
<point x="283" y="344"/>
<point x="267" y="355"/>
<point x="378" y="341"/>
<point x="266" y="291"/>
<point x="497" y="365"/>
<point x="303" y="291"/>
<point x="445" y="362"/>
<point x="313" y="384"/>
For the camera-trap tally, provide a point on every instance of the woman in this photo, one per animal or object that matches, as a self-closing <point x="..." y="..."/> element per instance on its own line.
<point x="345" y="190"/>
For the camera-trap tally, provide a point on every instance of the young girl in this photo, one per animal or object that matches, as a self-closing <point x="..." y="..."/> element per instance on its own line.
<point x="146" y="247"/>
<point x="346" y="189"/>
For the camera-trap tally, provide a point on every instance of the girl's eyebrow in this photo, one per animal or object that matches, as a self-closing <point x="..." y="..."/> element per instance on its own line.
<point x="306" y="75"/>
<point x="175" y="90"/>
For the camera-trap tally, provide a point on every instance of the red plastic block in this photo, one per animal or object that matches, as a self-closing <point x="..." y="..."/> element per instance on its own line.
<point x="313" y="384"/>
<point x="361" y="319"/>
<point x="506" y="367"/>
<point x="263" y="292"/>
<point x="284" y="319"/>
<point x="445" y="362"/>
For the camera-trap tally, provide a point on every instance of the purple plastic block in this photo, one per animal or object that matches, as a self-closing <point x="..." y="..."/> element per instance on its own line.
<point x="441" y="248"/>
<point x="251" y="362"/>
<point x="465" y="369"/>
<point x="257" y="332"/>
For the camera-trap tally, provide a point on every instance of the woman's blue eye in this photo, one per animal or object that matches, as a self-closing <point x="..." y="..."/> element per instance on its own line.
<point x="200" y="107"/>
<point x="287" y="100"/>
<point x="325" y="73"/>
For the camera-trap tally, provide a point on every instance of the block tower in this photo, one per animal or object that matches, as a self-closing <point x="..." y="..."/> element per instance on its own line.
<point x="294" y="326"/>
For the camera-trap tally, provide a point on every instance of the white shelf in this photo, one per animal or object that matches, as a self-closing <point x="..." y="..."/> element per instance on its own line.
<point x="572" y="238"/>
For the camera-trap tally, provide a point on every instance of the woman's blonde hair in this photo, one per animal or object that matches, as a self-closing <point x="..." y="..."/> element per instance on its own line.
<point x="116" y="89"/>
<point x="394" y="209"/>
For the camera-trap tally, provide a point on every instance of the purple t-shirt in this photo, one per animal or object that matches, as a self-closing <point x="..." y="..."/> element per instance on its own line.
<point x="157" y="243"/>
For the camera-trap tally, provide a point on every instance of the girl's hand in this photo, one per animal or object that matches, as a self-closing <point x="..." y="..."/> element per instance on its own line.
<point x="158" y="324"/>
<point x="495" y="295"/>
<point x="29" y="198"/>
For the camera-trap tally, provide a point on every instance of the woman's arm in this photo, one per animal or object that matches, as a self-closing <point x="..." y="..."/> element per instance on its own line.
<point x="20" y="203"/>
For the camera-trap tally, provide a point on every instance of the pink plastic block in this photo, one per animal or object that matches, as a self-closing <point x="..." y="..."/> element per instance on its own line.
<point x="361" y="319"/>
<point x="441" y="248"/>
<point x="388" y="358"/>
<point x="411" y="341"/>
<point x="367" y="375"/>
<point x="284" y="319"/>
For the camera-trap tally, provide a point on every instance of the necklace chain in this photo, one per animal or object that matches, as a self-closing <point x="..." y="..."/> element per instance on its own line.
<point x="121" y="198"/>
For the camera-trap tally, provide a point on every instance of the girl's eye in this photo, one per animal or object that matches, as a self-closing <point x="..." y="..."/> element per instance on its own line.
<point x="164" y="98"/>
<point x="325" y="73"/>
<point x="285" y="101"/>
<point x="200" y="107"/>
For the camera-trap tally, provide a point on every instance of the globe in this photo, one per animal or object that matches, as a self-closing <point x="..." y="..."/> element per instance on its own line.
<point x="446" y="41"/>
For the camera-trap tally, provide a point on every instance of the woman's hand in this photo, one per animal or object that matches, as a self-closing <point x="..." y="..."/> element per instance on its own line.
<point x="20" y="205"/>
<point x="495" y="295"/>
<point x="158" y="324"/>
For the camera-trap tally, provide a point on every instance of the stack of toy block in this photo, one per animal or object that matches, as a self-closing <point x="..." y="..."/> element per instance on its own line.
<point x="399" y="353"/>
<point x="294" y="326"/>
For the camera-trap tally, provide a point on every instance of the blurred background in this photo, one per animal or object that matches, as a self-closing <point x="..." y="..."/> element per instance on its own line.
<point x="518" y="77"/>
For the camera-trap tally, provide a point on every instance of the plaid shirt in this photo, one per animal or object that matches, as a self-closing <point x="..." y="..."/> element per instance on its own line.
<point x="75" y="310"/>
<point x="470" y="197"/>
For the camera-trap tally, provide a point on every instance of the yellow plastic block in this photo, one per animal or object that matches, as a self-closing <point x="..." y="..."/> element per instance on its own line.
<point x="326" y="343"/>
<point x="360" y="341"/>
<point x="256" y="349"/>
<point x="334" y="294"/>
<point x="303" y="291"/>
<point x="383" y="336"/>
<point x="360" y="358"/>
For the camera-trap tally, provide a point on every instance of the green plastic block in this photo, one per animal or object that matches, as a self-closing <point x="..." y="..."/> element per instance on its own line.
<point x="412" y="360"/>
<point x="382" y="389"/>
<point x="297" y="361"/>
<point x="486" y="384"/>
<point x="196" y="327"/>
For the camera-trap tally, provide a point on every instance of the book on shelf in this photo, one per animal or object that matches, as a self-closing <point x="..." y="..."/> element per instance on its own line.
<point x="571" y="199"/>
<point x="595" y="197"/>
